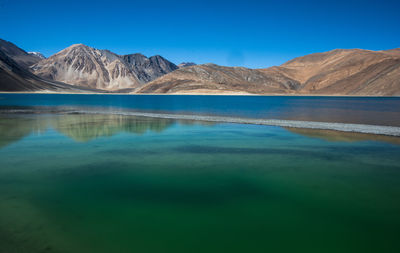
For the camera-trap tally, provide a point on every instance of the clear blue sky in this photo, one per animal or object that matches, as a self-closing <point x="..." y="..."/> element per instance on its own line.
<point x="247" y="33"/>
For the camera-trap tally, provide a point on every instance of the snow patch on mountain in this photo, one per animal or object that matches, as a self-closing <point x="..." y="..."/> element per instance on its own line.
<point x="37" y="54"/>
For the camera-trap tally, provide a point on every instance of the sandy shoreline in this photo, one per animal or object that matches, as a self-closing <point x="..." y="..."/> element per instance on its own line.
<point x="196" y="94"/>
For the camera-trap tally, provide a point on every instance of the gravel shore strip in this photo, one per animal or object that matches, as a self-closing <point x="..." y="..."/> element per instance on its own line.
<point x="344" y="127"/>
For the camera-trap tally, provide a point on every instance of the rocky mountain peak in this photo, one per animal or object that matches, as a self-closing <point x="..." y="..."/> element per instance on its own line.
<point x="102" y="69"/>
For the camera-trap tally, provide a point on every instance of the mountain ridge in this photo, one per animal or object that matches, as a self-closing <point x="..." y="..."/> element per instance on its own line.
<point x="336" y="72"/>
<point x="82" y="65"/>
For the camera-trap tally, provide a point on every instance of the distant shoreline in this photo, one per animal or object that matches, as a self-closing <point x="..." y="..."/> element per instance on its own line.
<point x="198" y="94"/>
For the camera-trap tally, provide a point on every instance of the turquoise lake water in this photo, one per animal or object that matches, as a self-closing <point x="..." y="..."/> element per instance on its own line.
<point x="112" y="183"/>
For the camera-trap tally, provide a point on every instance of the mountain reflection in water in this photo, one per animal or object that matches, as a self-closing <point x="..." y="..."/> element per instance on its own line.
<point x="81" y="128"/>
<point x="86" y="127"/>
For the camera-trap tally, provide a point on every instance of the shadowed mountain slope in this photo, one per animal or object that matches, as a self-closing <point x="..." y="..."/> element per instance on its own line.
<point x="21" y="57"/>
<point x="148" y="69"/>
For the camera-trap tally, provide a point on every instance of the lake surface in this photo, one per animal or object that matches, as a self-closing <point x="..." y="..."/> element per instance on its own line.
<point x="364" y="110"/>
<point x="113" y="183"/>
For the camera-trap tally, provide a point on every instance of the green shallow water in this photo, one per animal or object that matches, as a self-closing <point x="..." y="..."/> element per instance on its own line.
<point x="108" y="183"/>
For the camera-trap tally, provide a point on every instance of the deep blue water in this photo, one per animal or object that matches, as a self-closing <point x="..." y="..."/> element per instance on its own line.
<point x="366" y="110"/>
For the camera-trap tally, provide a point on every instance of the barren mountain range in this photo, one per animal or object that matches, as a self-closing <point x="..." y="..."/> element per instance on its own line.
<point x="214" y="79"/>
<point x="102" y="69"/>
<point x="82" y="68"/>
<point x="337" y="72"/>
